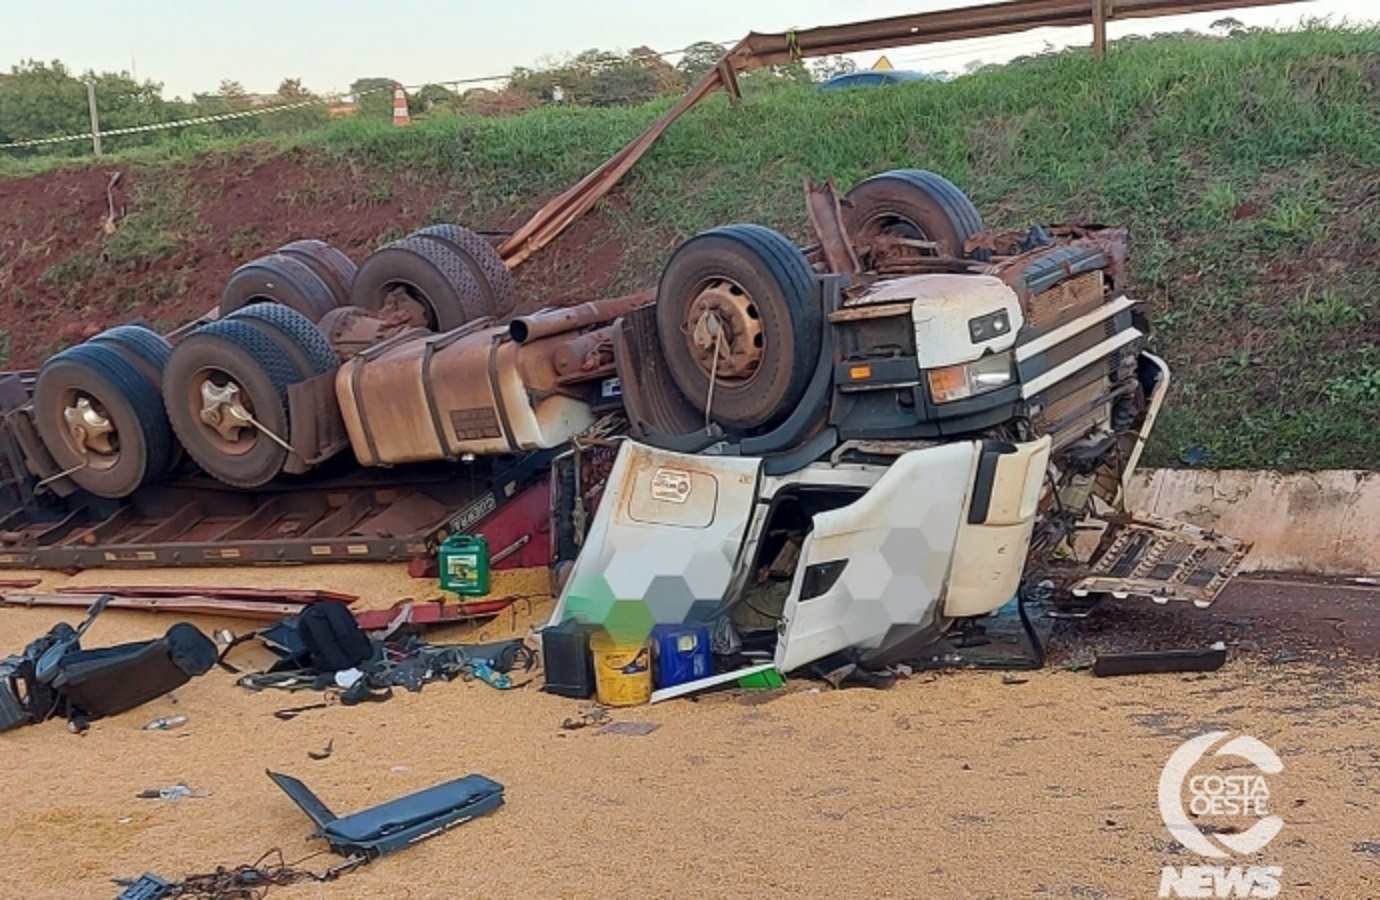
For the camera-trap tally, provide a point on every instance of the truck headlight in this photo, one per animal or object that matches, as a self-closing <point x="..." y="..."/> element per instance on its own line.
<point x="971" y="379"/>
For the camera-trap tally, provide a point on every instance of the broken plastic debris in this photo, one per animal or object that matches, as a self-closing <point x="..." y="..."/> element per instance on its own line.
<point x="166" y="723"/>
<point x="347" y="677"/>
<point x="172" y="794"/>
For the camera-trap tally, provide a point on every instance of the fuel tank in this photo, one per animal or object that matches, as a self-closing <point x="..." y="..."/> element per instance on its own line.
<point x="430" y="397"/>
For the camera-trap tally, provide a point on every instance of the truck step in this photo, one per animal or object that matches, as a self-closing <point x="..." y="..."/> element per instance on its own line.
<point x="1161" y="559"/>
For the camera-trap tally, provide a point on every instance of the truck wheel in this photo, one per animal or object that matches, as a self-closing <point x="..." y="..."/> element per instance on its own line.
<point x="915" y="204"/>
<point x="278" y="278"/>
<point x="301" y="338"/>
<point x="146" y="349"/>
<point x="423" y="280"/>
<point x="149" y="352"/>
<point x="758" y="287"/>
<point x="98" y="415"/>
<point x="488" y="268"/>
<point x="220" y="377"/>
<point x="330" y="265"/>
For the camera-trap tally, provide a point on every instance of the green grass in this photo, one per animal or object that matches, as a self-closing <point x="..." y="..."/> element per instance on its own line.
<point x="1247" y="169"/>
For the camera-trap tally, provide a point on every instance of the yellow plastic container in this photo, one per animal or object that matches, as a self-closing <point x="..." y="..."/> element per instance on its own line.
<point x="622" y="672"/>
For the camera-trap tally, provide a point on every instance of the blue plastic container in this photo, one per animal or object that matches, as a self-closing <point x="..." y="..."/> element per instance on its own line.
<point x="680" y="653"/>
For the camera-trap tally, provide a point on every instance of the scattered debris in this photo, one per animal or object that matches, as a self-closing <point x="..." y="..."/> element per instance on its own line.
<point x="187" y="604"/>
<point x="238" y="883"/>
<point x="172" y="793"/>
<point x="323" y="754"/>
<point x="593" y="715"/>
<point x="432" y="612"/>
<point x="636" y="729"/>
<point x="55" y="676"/>
<point x="1012" y="679"/>
<point x="1281" y="658"/>
<point x="166" y="723"/>
<point x="1369" y="848"/>
<point x="396" y="824"/>
<point x="294" y="712"/>
<point x="278" y="595"/>
<point x="1160" y="661"/>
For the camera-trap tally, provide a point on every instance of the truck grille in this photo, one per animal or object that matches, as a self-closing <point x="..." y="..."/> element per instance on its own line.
<point x="1065" y="302"/>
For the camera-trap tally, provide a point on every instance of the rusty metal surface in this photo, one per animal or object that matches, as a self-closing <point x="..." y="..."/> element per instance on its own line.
<point x="373" y="517"/>
<point x="548" y="323"/>
<point x="589" y="355"/>
<point x="352" y="330"/>
<point x="826" y="216"/>
<point x="317" y="431"/>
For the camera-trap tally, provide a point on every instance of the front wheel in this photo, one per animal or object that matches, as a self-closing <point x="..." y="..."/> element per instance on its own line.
<point x="737" y="309"/>
<point x="913" y="204"/>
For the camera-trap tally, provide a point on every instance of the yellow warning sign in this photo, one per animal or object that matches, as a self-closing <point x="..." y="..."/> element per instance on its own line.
<point x="882" y="64"/>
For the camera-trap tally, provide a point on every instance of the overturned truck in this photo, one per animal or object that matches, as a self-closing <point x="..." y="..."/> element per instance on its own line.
<point x="862" y="444"/>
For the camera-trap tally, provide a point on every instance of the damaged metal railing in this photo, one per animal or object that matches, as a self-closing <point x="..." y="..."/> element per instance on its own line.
<point x="760" y="50"/>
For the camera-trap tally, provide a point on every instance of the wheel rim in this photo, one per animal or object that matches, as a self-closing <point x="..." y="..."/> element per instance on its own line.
<point x="724" y="320"/>
<point x="403" y="303"/>
<point x="90" y="432"/>
<point x="223" y="411"/>
<point x="884" y="231"/>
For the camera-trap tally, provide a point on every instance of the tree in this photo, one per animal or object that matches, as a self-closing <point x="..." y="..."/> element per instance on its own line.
<point x="374" y="97"/>
<point x="433" y="97"/>
<point x="43" y="100"/>
<point x="699" y="58"/>
<point x="291" y="91"/>
<point x="827" y="67"/>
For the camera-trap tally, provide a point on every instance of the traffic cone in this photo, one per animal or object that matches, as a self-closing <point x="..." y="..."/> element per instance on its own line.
<point x="401" y="118"/>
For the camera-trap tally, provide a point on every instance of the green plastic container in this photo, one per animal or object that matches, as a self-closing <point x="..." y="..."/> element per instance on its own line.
<point x="766" y="680"/>
<point x="463" y="561"/>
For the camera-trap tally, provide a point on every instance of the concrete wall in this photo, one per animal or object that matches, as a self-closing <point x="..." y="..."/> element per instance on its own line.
<point x="1323" y="523"/>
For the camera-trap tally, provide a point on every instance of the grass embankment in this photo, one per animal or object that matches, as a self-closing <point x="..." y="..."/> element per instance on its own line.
<point x="1247" y="168"/>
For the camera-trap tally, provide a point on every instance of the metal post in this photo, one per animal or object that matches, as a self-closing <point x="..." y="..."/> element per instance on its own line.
<point x="1099" y="23"/>
<point x="95" y="121"/>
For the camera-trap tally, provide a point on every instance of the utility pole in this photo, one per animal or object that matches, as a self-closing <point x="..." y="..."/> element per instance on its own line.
<point x="95" y="121"/>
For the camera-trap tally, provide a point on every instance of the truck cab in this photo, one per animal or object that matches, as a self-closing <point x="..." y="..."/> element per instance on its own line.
<point x="959" y="421"/>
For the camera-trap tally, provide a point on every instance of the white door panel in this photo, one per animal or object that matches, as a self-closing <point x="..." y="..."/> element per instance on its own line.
<point x="667" y="533"/>
<point x="897" y="544"/>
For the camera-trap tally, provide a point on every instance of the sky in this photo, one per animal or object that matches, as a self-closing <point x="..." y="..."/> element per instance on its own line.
<point x="330" y="43"/>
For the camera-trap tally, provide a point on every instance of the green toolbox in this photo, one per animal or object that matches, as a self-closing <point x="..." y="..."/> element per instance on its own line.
<point x="463" y="562"/>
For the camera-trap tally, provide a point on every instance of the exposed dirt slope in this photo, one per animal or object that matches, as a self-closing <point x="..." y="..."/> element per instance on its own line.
<point x="179" y="232"/>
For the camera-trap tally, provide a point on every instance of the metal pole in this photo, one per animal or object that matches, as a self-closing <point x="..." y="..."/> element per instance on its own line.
<point x="1099" y="23"/>
<point x="95" y="121"/>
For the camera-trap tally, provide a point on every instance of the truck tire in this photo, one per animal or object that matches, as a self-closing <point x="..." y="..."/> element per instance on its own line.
<point x="146" y="349"/>
<point x="127" y="442"/>
<point x="303" y="340"/>
<point x="496" y="282"/>
<point x="149" y="351"/>
<point x="331" y="265"/>
<point x="761" y="288"/>
<point x="431" y="273"/>
<point x="916" y="204"/>
<point x="234" y="352"/>
<point x="278" y="278"/>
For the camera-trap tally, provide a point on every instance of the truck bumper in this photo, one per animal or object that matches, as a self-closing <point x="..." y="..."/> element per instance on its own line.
<point x="990" y="552"/>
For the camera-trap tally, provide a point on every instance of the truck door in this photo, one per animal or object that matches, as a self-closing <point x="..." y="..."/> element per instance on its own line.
<point x="881" y="561"/>
<point x="662" y="545"/>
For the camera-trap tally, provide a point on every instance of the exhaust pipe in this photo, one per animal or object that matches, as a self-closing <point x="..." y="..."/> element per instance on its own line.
<point x="559" y="321"/>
